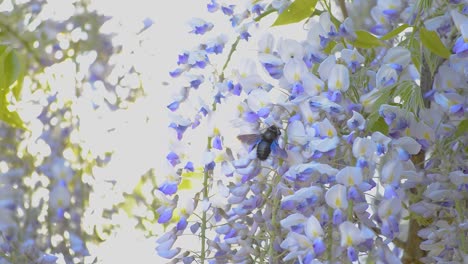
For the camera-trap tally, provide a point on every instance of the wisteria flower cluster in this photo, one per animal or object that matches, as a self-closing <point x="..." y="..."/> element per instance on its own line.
<point x="63" y="64"/>
<point x="370" y="161"/>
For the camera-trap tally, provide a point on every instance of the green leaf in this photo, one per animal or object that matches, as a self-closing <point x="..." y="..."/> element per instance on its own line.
<point x="425" y="5"/>
<point x="432" y="42"/>
<point x="12" y="68"/>
<point x="197" y="174"/>
<point x="376" y="123"/>
<point x="395" y="32"/>
<point x="329" y="47"/>
<point x="379" y="125"/>
<point x="415" y="49"/>
<point x="11" y="118"/>
<point x="18" y="64"/>
<point x="185" y="184"/>
<point x="366" y="40"/>
<point x="4" y="51"/>
<point x="128" y="204"/>
<point x="297" y="11"/>
<point x="188" y="177"/>
<point x="462" y="128"/>
<point x="410" y="96"/>
<point x="11" y="78"/>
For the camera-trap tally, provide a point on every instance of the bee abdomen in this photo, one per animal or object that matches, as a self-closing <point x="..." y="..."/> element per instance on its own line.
<point x="263" y="150"/>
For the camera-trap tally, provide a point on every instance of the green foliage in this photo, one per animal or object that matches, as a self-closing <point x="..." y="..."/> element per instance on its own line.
<point x="11" y="80"/>
<point x="462" y="128"/>
<point x="424" y="5"/>
<point x="188" y="177"/>
<point x="410" y="99"/>
<point x="185" y="184"/>
<point x="410" y="96"/>
<point x="297" y="11"/>
<point x="328" y="49"/>
<point x="432" y="42"/>
<point x="378" y="124"/>
<point x="395" y="32"/>
<point x="366" y="40"/>
<point x="129" y="203"/>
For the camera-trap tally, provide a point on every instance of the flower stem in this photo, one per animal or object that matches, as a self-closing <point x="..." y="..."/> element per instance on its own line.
<point x="459" y="205"/>
<point x="343" y="8"/>
<point x="233" y="48"/>
<point x="234" y="45"/>
<point x="330" y="235"/>
<point x="274" y="213"/>
<point x="206" y="176"/>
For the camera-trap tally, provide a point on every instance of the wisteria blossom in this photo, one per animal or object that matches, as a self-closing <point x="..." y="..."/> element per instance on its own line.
<point x="369" y="163"/>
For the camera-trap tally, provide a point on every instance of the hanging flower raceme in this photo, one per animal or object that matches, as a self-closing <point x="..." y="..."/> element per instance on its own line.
<point x="352" y="144"/>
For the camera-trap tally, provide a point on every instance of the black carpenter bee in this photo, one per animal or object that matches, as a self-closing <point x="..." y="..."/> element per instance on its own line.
<point x="264" y="142"/>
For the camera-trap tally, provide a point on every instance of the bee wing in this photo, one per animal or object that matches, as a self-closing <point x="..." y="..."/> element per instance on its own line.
<point x="249" y="139"/>
<point x="245" y="127"/>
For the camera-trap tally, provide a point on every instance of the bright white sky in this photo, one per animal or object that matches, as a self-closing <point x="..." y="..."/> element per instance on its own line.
<point x="140" y="145"/>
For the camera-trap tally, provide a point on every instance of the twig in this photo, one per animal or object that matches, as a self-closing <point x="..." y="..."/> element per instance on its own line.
<point x="343" y="8"/>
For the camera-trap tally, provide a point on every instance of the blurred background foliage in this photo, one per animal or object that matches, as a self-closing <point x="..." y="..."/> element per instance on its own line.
<point x="57" y="67"/>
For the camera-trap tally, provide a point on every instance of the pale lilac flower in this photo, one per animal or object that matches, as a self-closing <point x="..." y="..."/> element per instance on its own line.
<point x="164" y="248"/>
<point x="290" y="49"/>
<point x="451" y="102"/>
<point x="166" y="206"/>
<point x="200" y="26"/>
<point x="322" y="32"/>
<point x="380" y="27"/>
<point x="296" y="133"/>
<point x="258" y="101"/>
<point x="336" y="197"/>
<point x="293" y="220"/>
<point x="347" y="29"/>
<point x="364" y="149"/>
<point x="216" y="45"/>
<point x="338" y="79"/>
<point x="308" y="116"/>
<point x="447" y="80"/>
<point x="325" y="139"/>
<point x="389" y="213"/>
<point x="386" y="76"/>
<point x="294" y="70"/>
<point x="304" y="197"/>
<point x="352" y="58"/>
<point x="326" y="66"/>
<point x="459" y="178"/>
<point x="350" y="237"/>
<point x="391" y="172"/>
<point x="350" y="234"/>
<point x="349" y="176"/>
<point x="397" y="58"/>
<point x="313" y="229"/>
<point x="357" y="121"/>
<point x="266" y="43"/>
<point x="406" y="146"/>
<point x="441" y="24"/>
